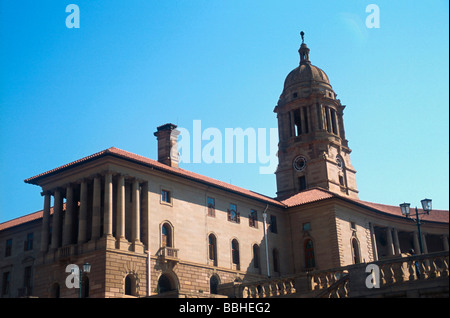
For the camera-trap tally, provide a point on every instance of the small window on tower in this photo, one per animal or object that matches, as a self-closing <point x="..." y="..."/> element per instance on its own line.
<point x="341" y="181"/>
<point x="302" y="183"/>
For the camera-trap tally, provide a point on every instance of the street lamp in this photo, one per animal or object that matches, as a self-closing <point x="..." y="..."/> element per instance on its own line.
<point x="426" y="206"/>
<point x="86" y="268"/>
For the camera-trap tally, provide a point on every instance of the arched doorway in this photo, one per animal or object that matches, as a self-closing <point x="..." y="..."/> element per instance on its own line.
<point x="165" y="284"/>
<point x="214" y="284"/>
<point x="130" y="285"/>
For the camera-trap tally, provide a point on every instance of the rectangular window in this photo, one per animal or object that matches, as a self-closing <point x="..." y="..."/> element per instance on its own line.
<point x="302" y="183"/>
<point x="165" y="196"/>
<point x="233" y="215"/>
<point x="341" y="181"/>
<point x="307" y="226"/>
<point x="8" y="247"/>
<point x="253" y="219"/>
<point x="333" y="121"/>
<point x="27" y="278"/>
<point x="297" y="122"/>
<point x="28" y="244"/>
<point x="5" y="283"/>
<point x="211" y="207"/>
<point x="273" y="224"/>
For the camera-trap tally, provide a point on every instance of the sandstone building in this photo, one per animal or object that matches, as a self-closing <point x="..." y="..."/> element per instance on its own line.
<point x="149" y="227"/>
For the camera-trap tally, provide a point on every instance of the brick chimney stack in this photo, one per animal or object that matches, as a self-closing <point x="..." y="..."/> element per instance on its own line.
<point x="167" y="136"/>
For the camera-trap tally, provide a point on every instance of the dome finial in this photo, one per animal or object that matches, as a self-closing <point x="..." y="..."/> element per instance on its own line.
<point x="303" y="51"/>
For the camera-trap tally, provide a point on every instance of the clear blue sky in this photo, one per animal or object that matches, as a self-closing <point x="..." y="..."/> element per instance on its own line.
<point x="134" y="65"/>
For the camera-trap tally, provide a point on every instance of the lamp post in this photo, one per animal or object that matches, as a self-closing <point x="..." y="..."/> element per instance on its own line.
<point x="426" y="206"/>
<point x="265" y="239"/>
<point x="86" y="268"/>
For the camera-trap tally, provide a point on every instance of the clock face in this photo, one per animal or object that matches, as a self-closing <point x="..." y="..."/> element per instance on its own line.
<point x="299" y="163"/>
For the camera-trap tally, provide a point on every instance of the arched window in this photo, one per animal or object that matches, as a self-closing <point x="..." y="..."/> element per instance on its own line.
<point x="310" y="261"/>
<point x="235" y="253"/>
<point x="355" y="251"/>
<point x="212" y="249"/>
<point x="213" y="284"/>
<point x="166" y="235"/>
<point x="256" y="260"/>
<point x="130" y="285"/>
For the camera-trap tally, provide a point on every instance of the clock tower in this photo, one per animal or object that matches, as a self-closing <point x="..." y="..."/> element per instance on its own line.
<point x="312" y="149"/>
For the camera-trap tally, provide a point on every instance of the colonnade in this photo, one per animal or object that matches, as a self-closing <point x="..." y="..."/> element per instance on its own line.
<point x="393" y="246"/>
<point x="308" y="118"/>
<point x="110" y="206"/>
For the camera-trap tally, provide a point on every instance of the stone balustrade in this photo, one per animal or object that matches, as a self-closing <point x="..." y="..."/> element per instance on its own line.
<point x="349" y="281"/>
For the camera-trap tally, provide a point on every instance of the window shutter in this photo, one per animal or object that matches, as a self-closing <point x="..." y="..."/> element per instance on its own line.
<point x="229" y="215"/>
<point x="238" y="217"/>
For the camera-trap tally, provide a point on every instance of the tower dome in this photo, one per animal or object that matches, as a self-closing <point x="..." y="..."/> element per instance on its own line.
<point x="305" y="79"/>
<point x="306" y="75"/>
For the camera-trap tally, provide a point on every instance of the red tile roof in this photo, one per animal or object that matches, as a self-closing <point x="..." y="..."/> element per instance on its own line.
<point x="20" y="220"/>
<point x="308" y="196"/>
<point x="305" y="197"/>
<point x="319" y="194"/>
<point x="26" y="218"/>
<point x="158" y="166"/>
<point x="441" y="216"/>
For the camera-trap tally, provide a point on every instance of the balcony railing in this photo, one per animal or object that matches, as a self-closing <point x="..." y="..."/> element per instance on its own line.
<point x="168" y="253"/>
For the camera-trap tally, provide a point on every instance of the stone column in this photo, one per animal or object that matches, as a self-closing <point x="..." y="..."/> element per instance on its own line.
<point x="302" y="121"/>
<point x="45" y="222"/>
<point x="57" y="218"/>
<point x="68" y="225"/>
<point x="336" y="121"/>
<point x="136" y="215"/>
<point x="390" y="244"/>
<point x="96" y="206"/>
<point x="424" y="243"/>
<point x="319" y="116"/>
<point x="120" y="231"/>
<point x="145" y="214"/>
<point x="416" y="243"/>
<point x="108" y="205"/>
<point x="374" y="242"/>
<point x="397" y="249"/>
<point x="445" y="241"/>
<point x="82" y="218"/>
<point x="329" y="121"/>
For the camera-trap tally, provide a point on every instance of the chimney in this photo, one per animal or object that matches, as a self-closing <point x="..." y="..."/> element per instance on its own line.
<point x="167" y="136"/>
